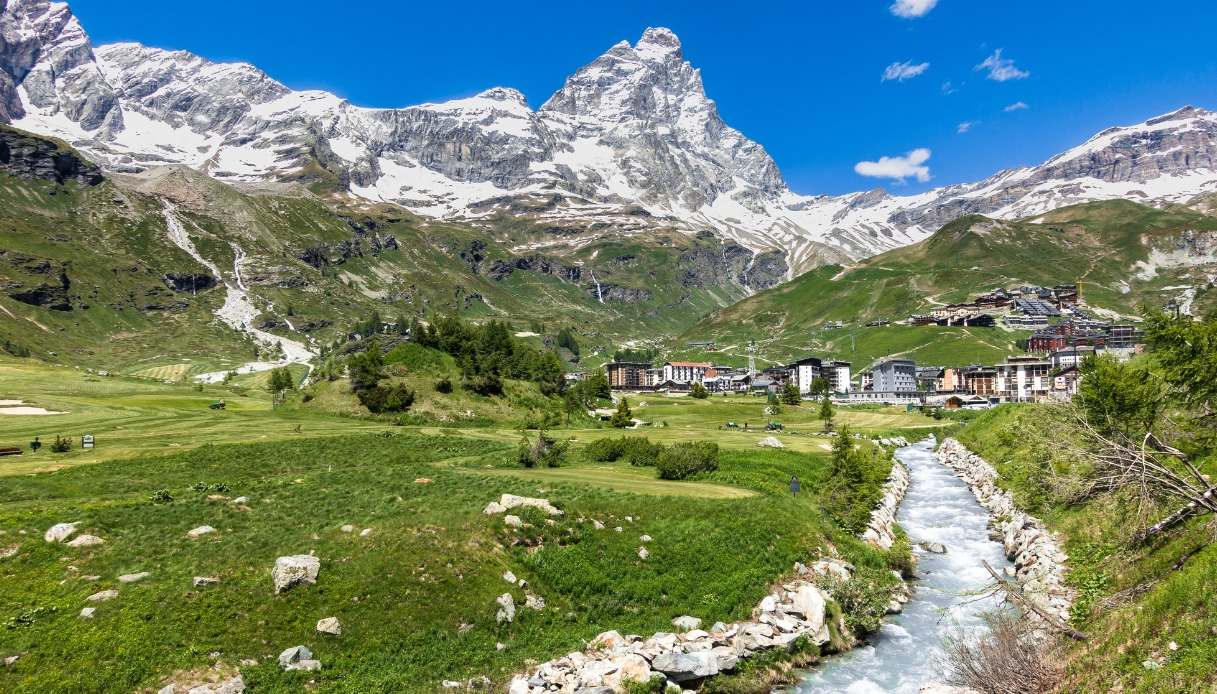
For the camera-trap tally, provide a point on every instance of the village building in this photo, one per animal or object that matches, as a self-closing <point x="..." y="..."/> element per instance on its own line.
<point x="1065" y="382"/>
<point x="928" y="378"/>
<point x="1023" y="378"/>
<point x="950" y="380"/>
<point x="958" y="401"/>
<point x="687" y="371"/>
<point x="837" y="374"/>
<point x="804" y="372"/>
<point x="895" y="375"/>
<point x="625" y="375"/>
<point x="980" y="380"/>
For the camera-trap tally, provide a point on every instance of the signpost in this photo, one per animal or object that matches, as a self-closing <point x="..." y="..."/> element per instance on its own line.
<point x="86" y="441"/>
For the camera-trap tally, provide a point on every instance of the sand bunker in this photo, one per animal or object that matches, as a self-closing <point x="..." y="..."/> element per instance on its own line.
<point x="16" y="407"/>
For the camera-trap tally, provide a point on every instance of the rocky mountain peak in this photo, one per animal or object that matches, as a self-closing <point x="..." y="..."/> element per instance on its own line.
<point x="658" y="43"/>
<point x="507" y="94"/>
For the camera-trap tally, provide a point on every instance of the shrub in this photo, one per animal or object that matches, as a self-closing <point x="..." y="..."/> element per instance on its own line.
<point x="443" y="385"/>
<point x="638" y="451"/>
<point x="699" y="391"/>
<point x="489" y="385"/>
<point x="546" y="451"/>
<point x="161" y="496"/>
<point x="391" y="398"/>
<point x="1003" y="658"/>
<point x="61" y="445"/>
<point x="418" y="358"/>
<point x="683" y="460"/>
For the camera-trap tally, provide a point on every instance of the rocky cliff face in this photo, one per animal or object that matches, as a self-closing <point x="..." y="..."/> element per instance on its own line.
<point x="630" y="143"/>
<point x="35" y="158"/>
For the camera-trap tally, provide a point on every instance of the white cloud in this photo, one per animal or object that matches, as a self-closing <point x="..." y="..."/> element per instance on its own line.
<point x="1001" y="69"/>
<point x="911" y="9"/>
<point x="911" y="165"/>
<point x="964" y="126"/>
<point x="948" y="88"/>
<point x="1016" y="106"/>
<point x="904" y="71"/>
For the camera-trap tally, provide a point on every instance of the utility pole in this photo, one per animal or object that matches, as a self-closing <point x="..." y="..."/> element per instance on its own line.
<point x="751" y="357"/>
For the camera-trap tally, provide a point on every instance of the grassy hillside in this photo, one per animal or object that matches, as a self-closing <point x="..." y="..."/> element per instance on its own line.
<point x="1123" y="253"/>
<point x="83" y="271"/>
<point x="1150" y="603"/>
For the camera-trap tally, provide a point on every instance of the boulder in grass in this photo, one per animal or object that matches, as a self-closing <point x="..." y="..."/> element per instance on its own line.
<point x="770" y="442"/>
<point x="59" y="532"/>
<point x="507" y="608"/>
<point x="294" y="570"/>
<point x="513" y="521"/>
<point x="133" y="578"/>
<point x="103" y="596"/>
<point x="298" y="658"/>
<point x="200" y="531"/>
<point x="643" y="554"/>
<point x="86" y="541"/>
<point x="87" y="612"/>
<point x="204" y="581"/>
<point x="686" y="623"/>
<point x="329" y="625"/>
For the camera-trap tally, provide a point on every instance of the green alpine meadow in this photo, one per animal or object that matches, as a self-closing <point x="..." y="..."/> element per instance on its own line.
<point x="331" y="362"/>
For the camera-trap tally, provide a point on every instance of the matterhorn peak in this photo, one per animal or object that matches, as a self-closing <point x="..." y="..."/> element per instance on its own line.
<point x="658" y="43"/>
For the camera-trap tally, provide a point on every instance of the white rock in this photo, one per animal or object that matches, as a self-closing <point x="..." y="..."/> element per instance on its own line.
<point x="86" y="541"/>
<point x="686" y="623"/>
<point x="103" y="596"/>
<point x="59" y="532"/>
<point x="510" y="501"/>
<point x="770" y="442"/>
<point x="509" y="577"/>
<point x="643" y="554"/>
<point x="348" y="528"/>
<point x="87" y="612"/>
<point x="491" y="509"/>
<point x="294" y="570"/>
<point x="329" y="625"/>
<point x="365" y="532"/>
<point x="240" y="501"/>
<point x="644" y="538"/>
<point x="513" y="521"/>
<point x="534" y="602"/>
<point x="507" y="608"/>
<point x="133" y="578"/>
<point x="201" y="531"/>
<point x="298" y="658"/>
<point x="202" y="581"/>
<point x="597" y="525"/>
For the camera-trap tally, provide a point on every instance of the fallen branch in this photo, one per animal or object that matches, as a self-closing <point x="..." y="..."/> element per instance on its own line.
<point x="1015" y="593"/>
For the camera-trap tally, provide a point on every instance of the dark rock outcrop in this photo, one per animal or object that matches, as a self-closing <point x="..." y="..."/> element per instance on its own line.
<point x="31" y="157"/>
<point x="189" y="281"/>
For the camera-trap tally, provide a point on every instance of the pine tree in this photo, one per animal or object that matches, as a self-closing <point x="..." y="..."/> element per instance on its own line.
<point x="623" y="417"/>
<point x="826" y="412"/>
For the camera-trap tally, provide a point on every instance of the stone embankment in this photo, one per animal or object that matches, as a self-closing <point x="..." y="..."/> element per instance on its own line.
<point x="688" y="655"/>
<point x="881" y="529"/>
<point x="1039" y="561"/>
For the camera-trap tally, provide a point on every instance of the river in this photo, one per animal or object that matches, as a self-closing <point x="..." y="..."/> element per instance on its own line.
<point x="906" y="652"/>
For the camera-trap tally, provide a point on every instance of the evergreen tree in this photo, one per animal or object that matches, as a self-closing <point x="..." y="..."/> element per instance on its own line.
<point x="826" y="412"/>
<point x="623" y="417"/>
<point x="699" y="391"/>
<point x="790" y="394"/>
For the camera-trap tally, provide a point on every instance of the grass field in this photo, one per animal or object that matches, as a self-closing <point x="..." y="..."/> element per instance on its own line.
<point x="416" y="595"/>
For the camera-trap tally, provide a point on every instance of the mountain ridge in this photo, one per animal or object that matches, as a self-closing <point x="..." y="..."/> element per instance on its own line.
<point x="629" y="145"/>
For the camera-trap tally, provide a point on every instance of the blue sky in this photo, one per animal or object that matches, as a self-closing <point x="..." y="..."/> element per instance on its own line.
<point x="805" y="79"/>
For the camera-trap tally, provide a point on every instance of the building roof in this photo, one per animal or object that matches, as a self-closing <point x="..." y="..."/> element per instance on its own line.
<point x="694" y="364"/>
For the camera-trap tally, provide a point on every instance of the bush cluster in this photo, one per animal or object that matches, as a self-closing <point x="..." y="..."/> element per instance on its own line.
<point x="683" y="460"/>
<point x="638" y="451"/>
<point x="394" y="397"/>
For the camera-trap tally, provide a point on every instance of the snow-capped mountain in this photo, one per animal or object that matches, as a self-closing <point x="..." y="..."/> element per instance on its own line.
<point x="630" y="144"/>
